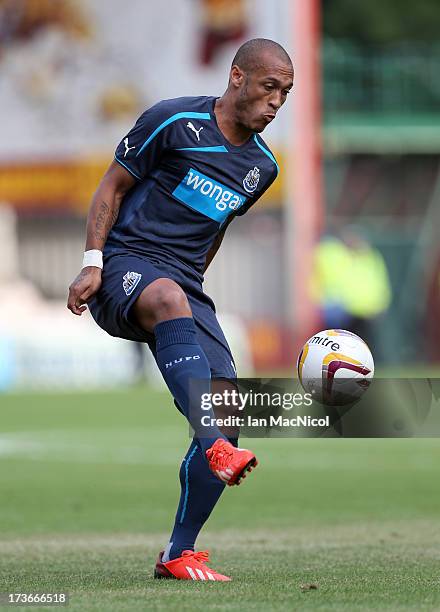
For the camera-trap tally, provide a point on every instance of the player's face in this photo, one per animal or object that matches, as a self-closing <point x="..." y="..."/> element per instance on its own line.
<point x="262" y="93"/>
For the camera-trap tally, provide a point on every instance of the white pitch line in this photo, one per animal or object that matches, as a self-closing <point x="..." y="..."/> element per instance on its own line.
<point x="134" y="447"/>
<point x="45" y="446"/>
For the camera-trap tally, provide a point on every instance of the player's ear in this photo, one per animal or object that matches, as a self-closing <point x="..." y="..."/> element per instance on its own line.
<point x="236" y="76"/>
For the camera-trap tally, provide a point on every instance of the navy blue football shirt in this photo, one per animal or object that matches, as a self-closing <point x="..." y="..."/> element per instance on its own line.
<point x="190" y="180"/>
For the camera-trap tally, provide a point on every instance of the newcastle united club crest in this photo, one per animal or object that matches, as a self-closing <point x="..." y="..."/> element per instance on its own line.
<point x="130" y="281"/>
<point x="250" y="181"/>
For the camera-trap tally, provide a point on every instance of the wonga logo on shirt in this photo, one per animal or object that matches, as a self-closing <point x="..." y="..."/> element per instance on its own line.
<point x="207" y="196"/>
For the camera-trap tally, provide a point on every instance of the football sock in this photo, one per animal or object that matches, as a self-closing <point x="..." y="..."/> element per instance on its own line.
<point x="200" y="491"/>
<point x="181" y="359"/>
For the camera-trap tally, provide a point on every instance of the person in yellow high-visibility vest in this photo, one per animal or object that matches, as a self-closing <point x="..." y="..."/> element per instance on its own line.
<point x="350" y="282"/>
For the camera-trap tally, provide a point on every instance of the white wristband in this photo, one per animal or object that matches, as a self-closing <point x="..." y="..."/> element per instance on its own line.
<point x="93" y="258"/>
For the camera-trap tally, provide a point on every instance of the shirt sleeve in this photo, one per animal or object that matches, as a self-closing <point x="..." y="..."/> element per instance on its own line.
<point x="141" y="149"/>
<point x="243" y="209"/>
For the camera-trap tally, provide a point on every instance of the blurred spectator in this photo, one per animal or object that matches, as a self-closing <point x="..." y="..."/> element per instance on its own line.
<point x="224" y="21"/>
<point x="118" y="101"/>
<point x="22" y="19"/>
<point x="350" y="282"/>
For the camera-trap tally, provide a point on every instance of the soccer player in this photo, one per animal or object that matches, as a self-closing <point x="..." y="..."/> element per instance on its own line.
<point x="187" y="168"/>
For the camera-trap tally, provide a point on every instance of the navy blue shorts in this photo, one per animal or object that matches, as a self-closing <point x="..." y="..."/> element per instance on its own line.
<point x="124" y="278"/>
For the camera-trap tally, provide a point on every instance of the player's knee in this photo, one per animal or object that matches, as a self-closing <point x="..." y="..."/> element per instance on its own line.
<point x="171" y="301"/>
<point x="161" y="300"/>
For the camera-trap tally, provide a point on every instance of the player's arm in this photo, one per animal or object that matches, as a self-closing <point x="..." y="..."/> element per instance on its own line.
<point x="135" y="157"/>
<point x="214" y="248"/>
<point x="105" y="205"/>
<point x="102" y="215"/>
<point x="216" y="244"/>
<point x="219" y="238"/>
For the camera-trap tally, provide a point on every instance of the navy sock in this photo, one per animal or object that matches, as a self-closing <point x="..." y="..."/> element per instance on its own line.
<point x="182" y="363"/>
<point x="200" y="491"/>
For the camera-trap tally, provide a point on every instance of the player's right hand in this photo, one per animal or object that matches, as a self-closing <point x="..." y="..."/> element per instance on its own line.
<point x="83" y="288"/>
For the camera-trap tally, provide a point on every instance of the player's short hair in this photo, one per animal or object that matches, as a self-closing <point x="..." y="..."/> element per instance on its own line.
<point x="248" y="56"/>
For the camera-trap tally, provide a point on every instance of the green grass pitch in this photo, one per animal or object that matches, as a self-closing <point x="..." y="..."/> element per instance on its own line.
<point x="89" y="487"/>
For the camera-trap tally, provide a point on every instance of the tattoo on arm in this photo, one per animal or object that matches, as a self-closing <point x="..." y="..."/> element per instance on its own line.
<point x="79" y="278"/>
<point x="104" y="221"/>
<point x="115" y="215"/>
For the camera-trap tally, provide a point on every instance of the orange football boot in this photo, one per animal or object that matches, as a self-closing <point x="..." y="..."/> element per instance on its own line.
<point x="190" y="566"/>
<point x="228" y="463"/>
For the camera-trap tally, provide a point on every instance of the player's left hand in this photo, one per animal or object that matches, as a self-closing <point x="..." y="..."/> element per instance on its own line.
<point x="84" y="287"/>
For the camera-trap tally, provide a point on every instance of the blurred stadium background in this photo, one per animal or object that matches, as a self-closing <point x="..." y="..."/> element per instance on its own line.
<point x="358" y="144"/>
<point x="346" y="237"/>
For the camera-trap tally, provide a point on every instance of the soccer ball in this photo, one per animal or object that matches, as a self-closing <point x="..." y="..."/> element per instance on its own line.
<point x="336" y="367"/>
